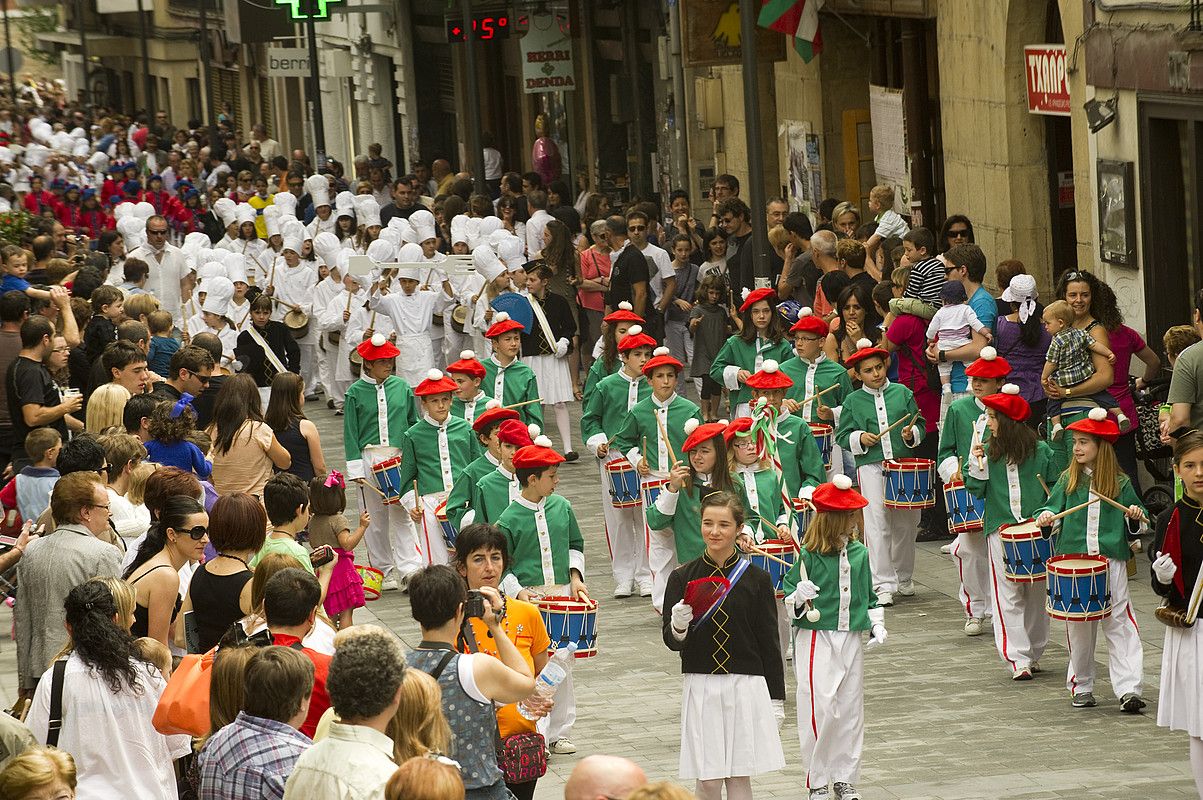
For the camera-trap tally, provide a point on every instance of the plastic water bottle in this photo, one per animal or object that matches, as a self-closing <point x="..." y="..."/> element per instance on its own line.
<point x="553" y="674"/>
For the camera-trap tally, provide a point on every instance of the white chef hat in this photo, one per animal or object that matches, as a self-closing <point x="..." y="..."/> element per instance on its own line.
<point x="367" y="210"/>
<point x="235" y="267"/>
<point x="227" y="210"/>
<point x="318" y="187"/>
<point x="286" y="204"/>
<point x="123" y="210"/>
<point x="271" y="220"/>
<point x="218" y="291"/>
<point x="391" y="236"/>
<point x="294" y="235"/>
<point x="344" y="204"/>
<point x="144" y="210"/>
<point x="423" y="224"/>
<point x="244" y="212"/>
<point x="326" y="245"/>
<point x="36" y="155"/>
<point x="132" y="230"/>
<point x="382" y="251"/>
<point x="488" y="225"/>
<point x="487" y="263"/>
<point x="459" y="229"/>
<point x="410" y="257"/>
<point x="210" y="270"/>
<point x="510" y="250"/>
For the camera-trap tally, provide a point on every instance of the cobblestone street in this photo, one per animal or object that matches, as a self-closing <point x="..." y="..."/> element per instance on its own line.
<point x="944" y="720"/>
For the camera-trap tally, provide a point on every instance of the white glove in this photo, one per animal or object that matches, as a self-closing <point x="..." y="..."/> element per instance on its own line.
<point x="801" y="595"/>
<point x="561" y="348"/>
<point x="682" y="615"/>
<point x="1164" y="568"/>
<point x="779" y="712"/>
<point x="877" y="637"/>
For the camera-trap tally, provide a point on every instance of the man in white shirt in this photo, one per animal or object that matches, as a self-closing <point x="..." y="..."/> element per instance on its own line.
<point x="355" y="760"/>
<point x="537" y="224"/>
<point x="663" y="281"/>
<point x="168" y="267"/>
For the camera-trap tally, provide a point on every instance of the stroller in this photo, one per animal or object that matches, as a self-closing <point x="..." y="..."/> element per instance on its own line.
<point x="1156" y="456"/>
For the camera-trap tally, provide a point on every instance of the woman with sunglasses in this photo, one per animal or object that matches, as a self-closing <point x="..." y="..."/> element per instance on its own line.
<point x="177" y="537"/>
<point x="957" y="229"/>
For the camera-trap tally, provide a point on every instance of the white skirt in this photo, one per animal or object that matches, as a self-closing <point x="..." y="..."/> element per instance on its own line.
<point x="1180" y="704"/>
<point x="551" y="373"/>
<point x="727" y="728"/>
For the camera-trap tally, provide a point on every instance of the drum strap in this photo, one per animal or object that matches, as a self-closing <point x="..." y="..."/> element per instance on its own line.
<point x="268" y="353"/>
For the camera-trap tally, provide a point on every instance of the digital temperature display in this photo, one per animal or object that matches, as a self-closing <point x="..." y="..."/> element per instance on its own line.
<point x="485" y="28"/>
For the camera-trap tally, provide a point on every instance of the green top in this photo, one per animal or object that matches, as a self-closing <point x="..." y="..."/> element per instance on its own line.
<point x="286" y="545"/>
<point x="640" y="425"/>
<point x="1098" y="529"/>
<point x="801" y="462"/>
<point x="544" y="542"/>
<point x="607" y="406"/>
<point x="518" y="384"/>
<point x="762" y="498"/>
<point x="421" y="459"/>
<point x="1015" y="493"/>
<point x="492" y="495"/>
<point x="810" y="379"/>
<point x="736" y="354"/>
<point x="872" y="411"/>
<point x="362" y="418"/>
<point x="964" y="424"/>
<point x="682" y="511"/>
<point x="459" y="408"/>
<point x="845" y="588"/>
<point x="597" y="371"/>
<point x="460" y="499"/>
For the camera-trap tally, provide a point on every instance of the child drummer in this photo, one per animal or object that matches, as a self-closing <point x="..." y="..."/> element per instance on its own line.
<point x="820" y="384"/>
<point x="486" y="427"/>
<point x="468" y="373"/>
<point x="606" y="410"/>
<point x="493" y="493"/>
<point x="547" y="558"/>
<point x="1018" y="460"/>
<point x="880" y="422"/>
<point x="651" y="437"/>
<point x="434" y="452"/>
<point x="965" y="427"/>
<point x="828" y="661"/>
<point x="1100" y="529"/>
<point x="379" y="409"/>
<point x="734" y="686"/>
<point x="507" y="378"/>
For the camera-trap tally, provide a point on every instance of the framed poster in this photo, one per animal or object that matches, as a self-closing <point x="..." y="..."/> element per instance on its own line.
<point x="1117" y="213"/>
<point x="712" y="36"/>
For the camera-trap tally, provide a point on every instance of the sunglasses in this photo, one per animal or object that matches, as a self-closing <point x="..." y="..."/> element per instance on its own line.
<point x="195" y="534"/>
<point x="959" y="233"/>
<point x="636" y="228"/>
<point x="202" y="378"/>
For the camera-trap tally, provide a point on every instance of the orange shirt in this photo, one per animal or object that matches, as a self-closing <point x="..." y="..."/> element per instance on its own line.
<point x="524" y="627"/>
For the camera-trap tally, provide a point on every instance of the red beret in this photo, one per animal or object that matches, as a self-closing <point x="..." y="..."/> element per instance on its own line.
<point x="864" y="350"/>
<point x="770" y="376"/>
<point x="467" y="365"/>
<point x="809" y="322"/>
<point x="436" y="383"/>
<point x="837" y="496"/>
<point x="535" y="456"/>
<point x="623" y="314"/>
<point x="514" y="432"/>
<point x="493" y="413"/>
<point x="1097" y="424"/>
<point x="377" y="348"/>
<point x="503" y="324"/>
<point x="756" y="296"/>
<point x="697" y="433"/>
<point x="989" y="364"/>
<point x="1009" y="402"/>
<point x="635" y="338"/>
<point x="737" y="426"/>
<point x="661" y="359"/>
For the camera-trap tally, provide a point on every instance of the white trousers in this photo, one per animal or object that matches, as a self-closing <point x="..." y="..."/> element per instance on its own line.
<point x="889" y="533"/>
<point x="391" y="538"/>
<point x="309" y="363"/>
<point x="829" y="667"/>
<point x="326" y="352"/>
<point x="455" y="343"/>
<point x="558" y="723"/>
<point x="436" y="346"/>
<point x="626" y="535"/>
<point x="971" y="554"/>
<point x="1020" y="619"/>
<point x="837" y="463"/>
<point x="1124" y="650"/>
<point x="431" y="542"/>
<point x="662" y="560"/>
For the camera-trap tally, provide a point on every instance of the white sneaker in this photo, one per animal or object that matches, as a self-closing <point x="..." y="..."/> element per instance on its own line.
<point x="885" y="599"/>
<point x="906" y="588"/>
<point x="562" y="747"/>
<point x="645" y="589"/>
<point x="973" y="626"/>
<point x="624" y="589"/>
<point x="389" y="584"/>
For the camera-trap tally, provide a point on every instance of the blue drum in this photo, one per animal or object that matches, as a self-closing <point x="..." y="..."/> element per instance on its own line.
<point x="1078" y="590"/>
<point x="449" y="531"/>
<point x="570" y="620"/>
<point x="651" y="490"/>
<point x="909" y="483"/>
<point x="776" y="570"/>
<point x="1025" y="551"/>
<point x="965" y="512"/>
<point x="825" y="439"/>
<point x="624" y="484"/>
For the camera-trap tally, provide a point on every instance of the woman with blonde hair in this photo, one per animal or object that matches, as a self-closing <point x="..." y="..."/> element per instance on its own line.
<point x="426" y="778"/>
<point x="419" y="727"/>
<point x="227" y="689"/>
<point x="39" y="772"/>
<point x="105" y="408"/>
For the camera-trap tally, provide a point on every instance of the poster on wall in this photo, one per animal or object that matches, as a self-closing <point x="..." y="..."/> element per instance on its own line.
<point x="1117" y="213"/>
<point x="546" y="57"/>
<point x="890" y="163"/>
<point x="805" y="167"/>
<point x="712" y="35"/>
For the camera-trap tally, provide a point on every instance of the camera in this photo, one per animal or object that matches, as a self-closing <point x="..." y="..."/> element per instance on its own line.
<point x="475" y="606"/>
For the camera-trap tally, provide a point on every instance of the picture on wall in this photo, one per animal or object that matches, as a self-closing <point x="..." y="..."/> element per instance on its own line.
<point x="1117" y="213"/>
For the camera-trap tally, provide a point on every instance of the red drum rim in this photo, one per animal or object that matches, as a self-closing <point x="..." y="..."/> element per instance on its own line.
<point x="370" y="592"/>
<point x="1025" y="577"/>
<point x="656" y="482"/>
<point x="906" y="505"/>
<point x="1013" y="532"/>
<point x="966" y="527"/>
<point x="954" y="485"/>
<point x="619" y="465"/>
<point x="819" y="428"/>
<point x="1078" y="616"/>
<point x="775" y="546"/>
<point x="386" y="463"/>
<point x="1054" y="564"/>
<point x="908" y="465"/>
<point x="566" y="604"/>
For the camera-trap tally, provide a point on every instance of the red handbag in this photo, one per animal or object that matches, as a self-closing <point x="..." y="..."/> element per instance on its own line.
<point x="184" y="704"/>
<point x="522" y="757"/>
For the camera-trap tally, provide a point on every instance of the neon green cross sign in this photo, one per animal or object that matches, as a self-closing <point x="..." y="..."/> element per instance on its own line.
<point x="306" y="9"/>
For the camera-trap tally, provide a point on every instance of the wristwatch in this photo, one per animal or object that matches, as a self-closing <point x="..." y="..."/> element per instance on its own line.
<point x="1068" y="391"/>
<point x="942" y="355"/>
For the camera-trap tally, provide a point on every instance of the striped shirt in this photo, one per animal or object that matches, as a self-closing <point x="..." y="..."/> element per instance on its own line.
<point x="925" y="281"/>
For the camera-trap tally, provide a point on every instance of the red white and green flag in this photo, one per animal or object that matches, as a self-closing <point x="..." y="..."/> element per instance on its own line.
<point x="797" y="19"/>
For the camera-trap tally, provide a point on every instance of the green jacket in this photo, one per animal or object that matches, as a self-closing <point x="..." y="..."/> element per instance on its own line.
<point x="597" y="371"/>
<point x="1098" y="529"/>
<point x="845" y="588"/>
<point x="363" y="424"/>
<point x="460" y="499"/>
<point x="801" y="462"/>
<point x="526" y="537"/>
<point x="736" y="354"/>
<point x="762" y="499"/>
<point x="640" y="426"/>
<point x="518" y="384"/>
<point x="872" y="411"/>
<point x="682" y="511"/>
<point x="964" y="424"/>
<point x="422" y="461"/>
<point x="492" y="495"/>
<point x="1015" y="493"/>
<point x="460" y="408"/>
<point x="810" y="379"/>
<point x="607" y="406"/>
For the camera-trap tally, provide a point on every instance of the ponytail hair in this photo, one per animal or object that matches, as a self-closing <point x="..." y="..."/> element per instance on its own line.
<point x="176" y="509"/>
<point x="97" y="639"/>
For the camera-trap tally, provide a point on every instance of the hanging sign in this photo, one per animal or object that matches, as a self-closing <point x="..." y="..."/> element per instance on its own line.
<point x="546" y="57"/>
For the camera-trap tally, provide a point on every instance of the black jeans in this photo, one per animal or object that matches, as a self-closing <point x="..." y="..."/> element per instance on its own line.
<point x="523" y="791"/>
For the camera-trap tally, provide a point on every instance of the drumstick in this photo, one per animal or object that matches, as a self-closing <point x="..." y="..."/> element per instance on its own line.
<point x="672" y="457"/>
<point x="817" y="395"/>
<point x="896" y="423"/>
<point x="767" y="555"/>
<point x="1079" y="507"/>
<point x="362" y="482"/>
<point x="271" y="281"/>
<point x="1118" y="505"/>
<point x="526" y="403"/>
<point x="350" y="297"/>
<point x="1043" y="485"/>
<point x="812" y="613"/>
